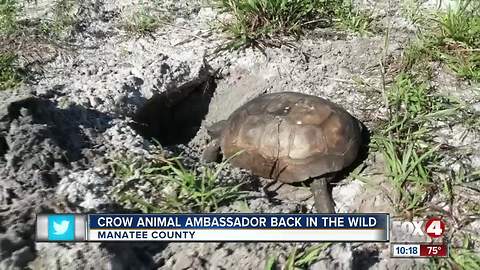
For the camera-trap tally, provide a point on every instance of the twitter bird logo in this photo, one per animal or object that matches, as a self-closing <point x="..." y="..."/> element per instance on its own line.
<point x="61" y="227"/>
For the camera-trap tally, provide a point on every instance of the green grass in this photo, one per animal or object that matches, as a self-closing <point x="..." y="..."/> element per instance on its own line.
<point x="270" y="263"/>
<point x="465" y="63"/>
<point x="10" y="76"/>
<point x="9" y="10"/>
<point x="462" y="24"/>
<point x="463" y="257"/>
<point x="143" y="21"/>
<point x="62" y="22"/>
<point x="404" y="140"/>
<point x="417" y="57"/>
<point x="353" y="19"/>
<point x="466" y="178"/>
<point x="408" y="97"/>
<point x="299" y="259"/>
<point x="171" y="186"/>
<point x="412" y="9"/>
<point x="407" y="166"/>
<point x="260" y="20"/>
<point x="415" y="111"/>
<point x="64" y="16"/>
<point x="453" y="37"/>
<point x="11" y="29"/>
<point x="412" y="107"/>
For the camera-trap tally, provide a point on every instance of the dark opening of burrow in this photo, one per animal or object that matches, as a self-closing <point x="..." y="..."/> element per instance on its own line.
<point x="175" y="116"/>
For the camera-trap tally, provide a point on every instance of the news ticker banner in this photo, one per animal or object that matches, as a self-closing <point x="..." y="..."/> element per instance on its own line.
<point x="213" y="227"/>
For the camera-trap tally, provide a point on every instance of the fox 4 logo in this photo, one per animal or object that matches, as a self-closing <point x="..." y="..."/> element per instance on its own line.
<point x="418" y="230"/>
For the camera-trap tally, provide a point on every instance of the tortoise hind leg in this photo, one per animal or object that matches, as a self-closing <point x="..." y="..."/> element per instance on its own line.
<point x="323" y="199"/>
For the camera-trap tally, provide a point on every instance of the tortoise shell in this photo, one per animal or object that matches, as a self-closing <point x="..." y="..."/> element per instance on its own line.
<point x="291" y="137"/>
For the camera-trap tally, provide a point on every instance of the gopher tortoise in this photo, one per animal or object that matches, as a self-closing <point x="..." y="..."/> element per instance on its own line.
<point x="289" y="137"/>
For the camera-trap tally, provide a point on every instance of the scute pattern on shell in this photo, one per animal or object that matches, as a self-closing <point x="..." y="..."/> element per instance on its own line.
<point x="291" y="137"/>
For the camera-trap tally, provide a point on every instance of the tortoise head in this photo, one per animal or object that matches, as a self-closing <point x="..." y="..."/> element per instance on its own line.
<point x="212" y="151"/>
<point x="215" y="130"/>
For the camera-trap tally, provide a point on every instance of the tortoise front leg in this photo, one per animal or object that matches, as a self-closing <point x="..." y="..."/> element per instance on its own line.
<point x="211" y="152"/>
<point x="323" y="199"/>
